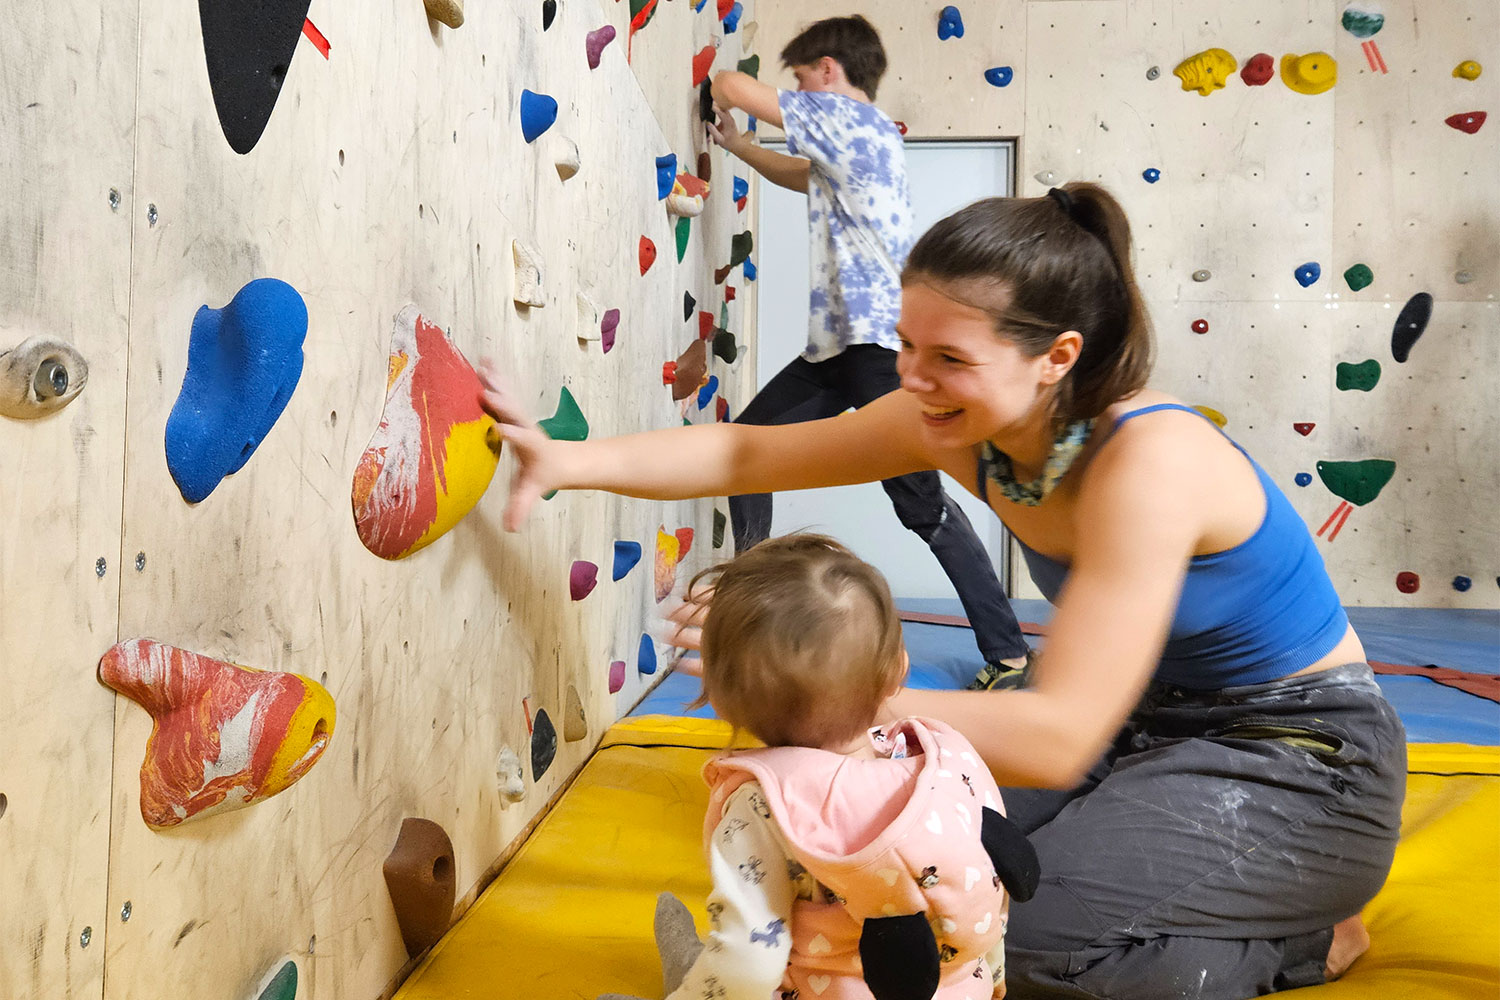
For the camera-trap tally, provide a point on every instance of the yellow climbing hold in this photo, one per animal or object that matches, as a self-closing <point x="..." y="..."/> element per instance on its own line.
<point x="1206" y="71"/>
<point x="1468" y="70"/>
<point x="1309" y="74"/>
<point x="1212" y="414"/>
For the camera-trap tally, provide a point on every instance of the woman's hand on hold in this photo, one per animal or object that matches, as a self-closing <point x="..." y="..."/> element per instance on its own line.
<point x="535" y="474"/>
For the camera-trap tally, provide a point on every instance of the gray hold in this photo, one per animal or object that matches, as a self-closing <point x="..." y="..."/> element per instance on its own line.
<point x="40" y="375"/>
<point x="1463" y="277"/>
<point x="1046" y="177"/>
<point x="1202" y="274"/>
<point x="508" y="776"/>
<point x="1153" y="72"/>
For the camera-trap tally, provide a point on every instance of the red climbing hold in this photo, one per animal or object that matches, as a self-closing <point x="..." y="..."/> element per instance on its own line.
<point x="728" y="293"/>
<point x="1200" y="326"/>
<point x="1468" y="122"/>
<point x="1303" y="428"/>
<point x="721" y="409"/>
<point x="702" y="63"/>
<point x="1258" y="70"/>
<point x="1408" y="582"/>
<point x="901" y="127"/>
<point x="684" y="541"/>
<point x="669" y="373"/>
<point x="705" y="325"/>
<point x="648" y="254"/>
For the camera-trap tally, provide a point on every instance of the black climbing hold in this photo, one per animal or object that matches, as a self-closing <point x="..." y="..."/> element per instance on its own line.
<point x="725" y="349"/>
<point x="248" y="46"/>
<point x="1012" y="854"/>
<point x="900" y="957"/>
<point x="543" y="744"/>
<point x="706" y="102"/>
<point x="688" y="304"/>
<point x="549" y="11"/>
<point x="1410" y="324"/>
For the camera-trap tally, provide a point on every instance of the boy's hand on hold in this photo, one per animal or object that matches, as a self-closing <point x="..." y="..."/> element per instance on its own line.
<point x="530" y="447"/>
<point x="725" y="132"/>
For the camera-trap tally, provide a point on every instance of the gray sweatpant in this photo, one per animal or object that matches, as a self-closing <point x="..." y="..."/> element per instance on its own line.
<point x="1211" y="851"/>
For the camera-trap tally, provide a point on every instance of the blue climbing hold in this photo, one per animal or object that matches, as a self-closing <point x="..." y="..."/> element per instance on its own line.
<point x="950" y="23"/>
<point x="750" y="123"/>
<point x="699" y="8"/>
<point x="1304" y="479"/>
<point x="741" y="188"/>
<point x="1308" y="273"/>
<point x="749" y="269"/>
<point x="999" y="76"/>
<point x="1151" y="174"/>
<point x="627" y="554"/>
<point x="706" y="393"/>
<point x="666" y="175"/>
<point x="538" y="112"/>
<point x="732" y="19"/>
<point x="244" y="361"/>
<point x="646" y="661"/>
<point x="1462" y="583"/>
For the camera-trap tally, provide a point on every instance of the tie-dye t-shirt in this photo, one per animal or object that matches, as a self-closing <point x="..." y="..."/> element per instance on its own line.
<point x="859" y="217"/>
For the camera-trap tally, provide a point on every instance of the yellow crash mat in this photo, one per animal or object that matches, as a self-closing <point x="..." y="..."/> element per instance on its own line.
<point x="570" y="916"/>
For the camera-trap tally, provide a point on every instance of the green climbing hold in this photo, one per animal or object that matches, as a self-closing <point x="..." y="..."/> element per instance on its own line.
<point x="1359" y="276"/>
<point x="1361" y="22"/>
<point x="751" y="66"/>
<point x="684" y="229"/>
<point x="720" y="521"/>
<point x="282" y="986"/>
<point x="636" y="6"/>
<point x="1362" y="376"/>
<point x="567" y="424"/>
<point x="1357" y="482"/>
<point x="740" y="247"/>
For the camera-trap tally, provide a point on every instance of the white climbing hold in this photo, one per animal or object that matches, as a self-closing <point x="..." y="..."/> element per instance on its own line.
<point x="566" y="157"/>
<point x="588" y="318"/>
<point x="528" y="289"/>
<point x="508" y="776"/>
<point x="1046" y="177"/>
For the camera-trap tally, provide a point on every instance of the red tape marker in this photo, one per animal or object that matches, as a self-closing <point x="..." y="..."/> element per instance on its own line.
<point x="315" y="36"/>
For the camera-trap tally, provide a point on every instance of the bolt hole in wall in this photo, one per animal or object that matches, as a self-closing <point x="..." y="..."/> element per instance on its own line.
<point x="945" y="176"/>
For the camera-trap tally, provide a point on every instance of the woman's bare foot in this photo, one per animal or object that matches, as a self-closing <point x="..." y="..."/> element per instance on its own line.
<point x="1350" y="940"/>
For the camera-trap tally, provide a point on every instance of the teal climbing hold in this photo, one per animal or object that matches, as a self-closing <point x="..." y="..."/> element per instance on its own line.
<point x="1361" y="21"/>
<point x="1361" y="377"/>
<point x="282" y="985"/>
<point x="568" y="423"/>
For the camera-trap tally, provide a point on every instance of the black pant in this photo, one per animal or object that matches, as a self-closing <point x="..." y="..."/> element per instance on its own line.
<point x="805" y="390"/>
<point x="1211" y="851"/>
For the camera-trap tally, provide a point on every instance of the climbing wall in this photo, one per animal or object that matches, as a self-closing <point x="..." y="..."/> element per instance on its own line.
<point x="392" y="172"/>
<point x="1233" y="193"/>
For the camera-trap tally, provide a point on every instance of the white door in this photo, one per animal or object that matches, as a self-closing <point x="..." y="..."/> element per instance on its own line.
<point x="944" y="177"/>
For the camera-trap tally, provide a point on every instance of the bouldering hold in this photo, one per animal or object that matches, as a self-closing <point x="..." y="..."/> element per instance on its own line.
<point x="688" y="305"/>
<point x="1205" y="72"/>
<point x="583" y="577"/>
<point x="687" y="196"/>
<point x="641" y="12"/>
<point x="666" y="170"/>
<point x="1362" y="20"/>
<point x="509" y="777"/>
<point x="728" y="293"/>
<point x="747" y="35"/>
<point x="684" y="541"/>
<point x="706" y="111"/>
<point x="1411" y="322"/>
<point x="616" y="676"/>
<point x="705" y="166"/>
<point x="588" y="317"/>
<point x="244" y="361"/>
<point x="720" y="523"/>
<point x="721" y="410"/>
<point x="703" y="62"/>
<point x="1360" y="377"/>
<point x="1468" y="122"/>
<point x="750" y="66"/>
<point x="950" y="23"/>
<point x="1151" y="175"/>
<point x="705" y="325"/>
<point x="568" y="423"/>
<point x="543" y="741"/>
<point x="1303" y="479"/>
<point x="1258" y="70"/>
<point x="999" y="76"/>
<point x="421" y="878"/>
<point x="538" y="112"/>
<point x="449" y="12"/>
<point x="1468" y="70"/>
<point x="1200" y="326"/>
<point x="1408" y="582"/>
<point x="1312" y="73"/>
<point x="688" y="372"/>
<point x="549" y="12"/>
<point x="1153" y="72"/>
<point x="1303" y="427"/>
<point x="725" y="348"/>
<point x="741" y="245"/>
<point x="1308" y="274"/>
<point x="647" y="254"/>
<point x="732" y="19"/>
<point x="280" y="983"/>
<point x="1359" y="276"/>
<point x="901" y="127"/>
<point x="248" y="48"/>
<point x="1202" y="274"/>
<point x="645" y="659"/>
<point x="668" y="552"/>
<point x="1462" y="584"/>
<point x="429" y="460"/>
<point x="566" y="157"/>
<point x="1357" y="482"/>
<point x="609" y="328"/>
<point x="627" y="554"/>
<point x="594" y="43"/>
<point x="1217" y="417"/>
<point x="706" y="393"/>
<point x="1046" y="177"/>
<point x="741" y="189"/>
<point x="40" y="375"/>
<point x="223" y="736"/>
<point x="575" y="722"/>
<point x="527" y="290"/>
<point x="1463" y="277"/>
<point x="749" y="269"/>
<point x="722" y="273"/>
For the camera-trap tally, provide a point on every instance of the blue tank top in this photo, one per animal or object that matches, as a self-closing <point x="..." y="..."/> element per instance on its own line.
<point x="1249" y="614"/>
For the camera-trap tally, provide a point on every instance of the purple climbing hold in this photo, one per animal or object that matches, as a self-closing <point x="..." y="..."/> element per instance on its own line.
<point x="538" y="112"/>
<point x="1151" y="174"/>
<point x="583" y="577"/>
<point x="1410" y="324"/>
<point x="999" y="76"/>
<point x="608" y="327"/>
<point x="1308" y="273"/>
<point x="950" y="23"/>
<point x="595" y="41"/>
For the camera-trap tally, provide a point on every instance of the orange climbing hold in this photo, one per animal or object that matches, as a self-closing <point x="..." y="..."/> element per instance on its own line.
<point x="647" y="254"/>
